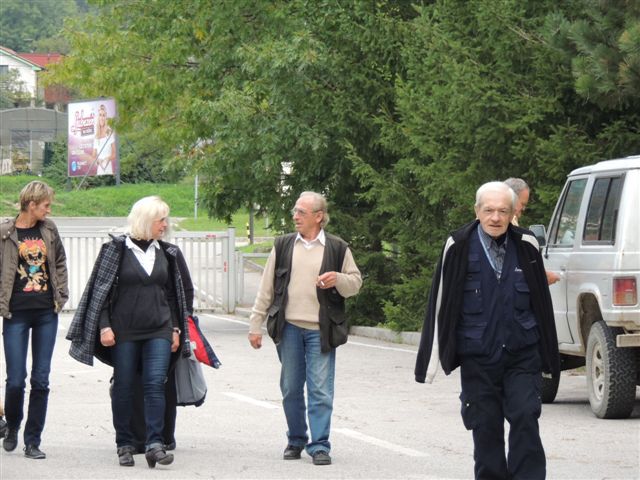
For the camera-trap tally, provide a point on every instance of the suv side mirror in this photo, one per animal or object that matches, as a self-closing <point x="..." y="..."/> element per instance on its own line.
<point x="541" y="234"/>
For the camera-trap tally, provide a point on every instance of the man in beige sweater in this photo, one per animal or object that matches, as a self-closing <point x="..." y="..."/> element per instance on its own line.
<point x="307" y="277"/>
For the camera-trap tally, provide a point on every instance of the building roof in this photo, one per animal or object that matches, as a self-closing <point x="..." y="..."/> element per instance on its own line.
<point x="42" y="59"/>
<point x="20" y="58"/>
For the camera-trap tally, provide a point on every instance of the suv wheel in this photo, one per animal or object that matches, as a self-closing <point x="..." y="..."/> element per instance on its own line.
<point x="549" y="387"/>
<point x="611" y="373"/>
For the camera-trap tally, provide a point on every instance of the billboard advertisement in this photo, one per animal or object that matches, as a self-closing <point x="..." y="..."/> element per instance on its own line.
<point x="93" y="147"/>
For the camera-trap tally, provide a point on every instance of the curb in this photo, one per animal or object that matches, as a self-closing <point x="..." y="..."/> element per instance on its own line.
<point x="407" y="338"/>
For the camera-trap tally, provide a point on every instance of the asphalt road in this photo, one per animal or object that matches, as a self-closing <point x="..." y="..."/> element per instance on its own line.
<point x="385" y="426"/>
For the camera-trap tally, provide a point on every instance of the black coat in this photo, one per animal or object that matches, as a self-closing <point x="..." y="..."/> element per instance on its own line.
<point x="445" y="301"/>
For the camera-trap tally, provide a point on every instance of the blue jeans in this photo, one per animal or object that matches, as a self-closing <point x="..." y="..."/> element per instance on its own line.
<point x="152" y="357"/>
<point x="302" y="361"/>
<point x="43" y="324"/>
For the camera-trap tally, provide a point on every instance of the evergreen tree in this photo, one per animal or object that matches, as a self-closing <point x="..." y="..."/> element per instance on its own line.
<point x="603" y="42"/>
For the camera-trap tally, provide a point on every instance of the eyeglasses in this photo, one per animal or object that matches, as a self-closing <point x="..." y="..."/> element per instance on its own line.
<point x="302" y="212"/>
<point x="502" y="212"/>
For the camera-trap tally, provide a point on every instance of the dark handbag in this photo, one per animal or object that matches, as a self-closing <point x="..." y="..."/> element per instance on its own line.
<point x="273" y="319"/>
<point x="338" y="332"/>
<point x="338" y="322"/>
<point x="191" y="386"/>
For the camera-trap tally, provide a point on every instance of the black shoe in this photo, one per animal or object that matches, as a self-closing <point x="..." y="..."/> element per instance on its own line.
<point x="158" y="455"/>
<point x="3" y="427"/>
<point x="31" y="451"/>
<point x="292" y="452"/>
<point x="125" y="456"/>
<point x="321" y="458"/>
<point x="170" y="446"/>
<point x="11" y="441"/>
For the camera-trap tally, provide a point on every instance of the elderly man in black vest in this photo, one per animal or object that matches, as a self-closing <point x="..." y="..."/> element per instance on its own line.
<point x="490" y="313"/>
<point x="305" y="281"/>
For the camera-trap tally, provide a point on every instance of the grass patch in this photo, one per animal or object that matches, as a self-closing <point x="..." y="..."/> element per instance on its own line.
<point x="99" y="201"/>
<point x="262" y="247"/>
<point x="114" y="201"/>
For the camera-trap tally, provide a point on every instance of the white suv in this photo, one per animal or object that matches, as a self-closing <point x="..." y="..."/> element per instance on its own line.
<point x="594" y="244"/>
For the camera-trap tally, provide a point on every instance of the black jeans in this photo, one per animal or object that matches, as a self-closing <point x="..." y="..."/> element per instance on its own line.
<point x="508" y="389"/>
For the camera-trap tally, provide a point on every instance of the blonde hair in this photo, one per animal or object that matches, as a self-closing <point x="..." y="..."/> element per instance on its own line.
<point x="105" y="131"/>
<point x="35" y="191"/>
<point x="319" y="205"/>
<point x="143" y="213"/>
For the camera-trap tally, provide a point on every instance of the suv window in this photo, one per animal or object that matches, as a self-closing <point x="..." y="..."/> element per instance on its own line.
<point x="600" y="224"/>
<point x="563" y="231"/>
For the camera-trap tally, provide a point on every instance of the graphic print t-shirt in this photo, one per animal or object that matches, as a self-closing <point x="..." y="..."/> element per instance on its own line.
<point x="32" y="287"/>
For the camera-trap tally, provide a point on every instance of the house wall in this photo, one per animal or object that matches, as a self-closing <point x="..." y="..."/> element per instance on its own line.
<point x="27" y="73"/>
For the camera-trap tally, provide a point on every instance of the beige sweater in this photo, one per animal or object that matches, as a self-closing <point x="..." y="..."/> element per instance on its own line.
<point x="302" y="306"/>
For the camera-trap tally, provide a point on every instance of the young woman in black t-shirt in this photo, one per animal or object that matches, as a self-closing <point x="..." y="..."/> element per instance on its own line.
<point x="33" y="282"/>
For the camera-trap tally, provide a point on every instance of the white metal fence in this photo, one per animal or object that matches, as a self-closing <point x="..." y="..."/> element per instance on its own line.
<point x="210" y="256"/>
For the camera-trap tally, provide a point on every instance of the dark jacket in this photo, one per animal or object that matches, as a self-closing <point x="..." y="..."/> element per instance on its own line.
<point x="445" y="301"/>
<point x="84" y="330"/>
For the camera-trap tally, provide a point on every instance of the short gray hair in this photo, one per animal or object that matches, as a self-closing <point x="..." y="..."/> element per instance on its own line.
<point x="517" y="184"/>
<point x="319" y="205"/>
<point x="143" y="213"/>
<point x="501" y="187"/>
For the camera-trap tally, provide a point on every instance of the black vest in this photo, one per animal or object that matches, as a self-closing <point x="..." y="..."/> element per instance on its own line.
<point x="333" y="323"/>
<point x="496" y="313"/>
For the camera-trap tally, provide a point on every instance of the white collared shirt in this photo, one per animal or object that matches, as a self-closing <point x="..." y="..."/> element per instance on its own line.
<point x="147" y="259"/>
<point x="309" y="244"/>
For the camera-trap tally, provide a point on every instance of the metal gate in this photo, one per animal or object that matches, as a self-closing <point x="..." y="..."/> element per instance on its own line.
<point x="210" y="257"/>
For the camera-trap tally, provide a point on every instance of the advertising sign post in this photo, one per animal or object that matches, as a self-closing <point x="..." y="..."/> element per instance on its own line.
<point x="93" y="145"/>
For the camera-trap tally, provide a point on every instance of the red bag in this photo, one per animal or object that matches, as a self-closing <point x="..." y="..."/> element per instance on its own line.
<point x="201" y="347"/>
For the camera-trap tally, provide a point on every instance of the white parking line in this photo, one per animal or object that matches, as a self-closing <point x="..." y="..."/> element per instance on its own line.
<point x="380" y="347"/>
<point x="344" y="431"/>
<point x="379" y="443"/>
<point x="252" y="401"/>
<point x="232" y="320"/>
